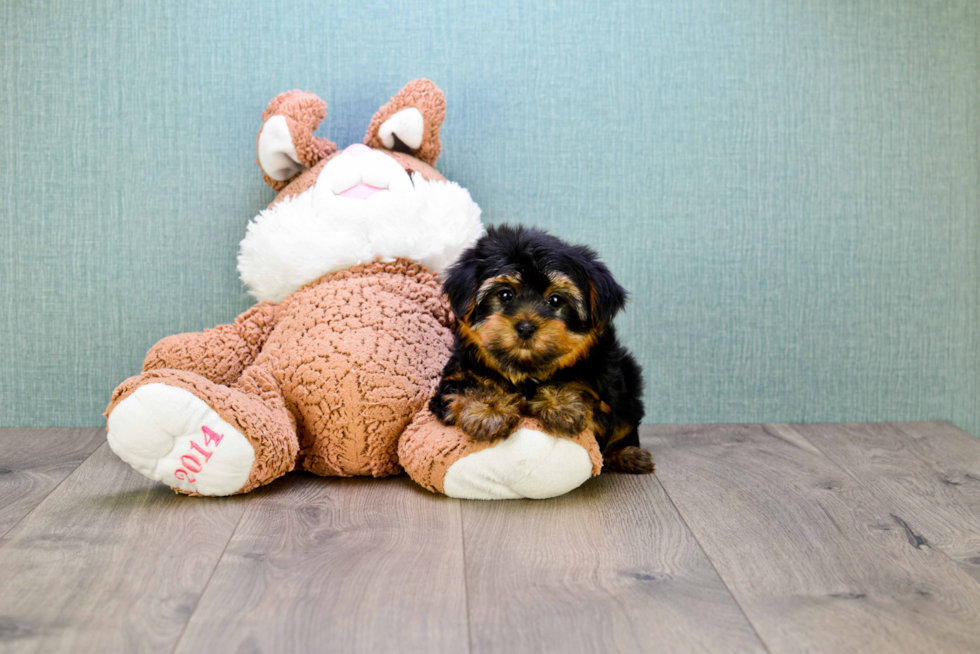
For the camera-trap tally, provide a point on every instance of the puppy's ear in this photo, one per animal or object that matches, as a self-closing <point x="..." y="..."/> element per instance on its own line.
<point x="606" y="296"/>
<point x="460" y="285"/>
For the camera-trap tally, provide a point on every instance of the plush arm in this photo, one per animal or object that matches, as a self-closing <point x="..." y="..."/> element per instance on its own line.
<point x="219" y="354"/>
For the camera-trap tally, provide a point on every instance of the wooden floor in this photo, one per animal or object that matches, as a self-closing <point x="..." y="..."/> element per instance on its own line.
<point x="818" y="538"/>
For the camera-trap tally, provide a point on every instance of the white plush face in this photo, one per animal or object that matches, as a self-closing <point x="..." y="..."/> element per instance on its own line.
<point x="358" y="173"/>
<point x="363" y="207"/>
<point x="378" y="201"/>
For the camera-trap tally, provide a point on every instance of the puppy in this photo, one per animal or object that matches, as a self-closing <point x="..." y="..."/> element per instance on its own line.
<point x="535" y="337"/>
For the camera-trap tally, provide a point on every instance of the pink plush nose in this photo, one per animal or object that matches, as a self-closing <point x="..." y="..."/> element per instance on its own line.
<point x="356" y="150"/>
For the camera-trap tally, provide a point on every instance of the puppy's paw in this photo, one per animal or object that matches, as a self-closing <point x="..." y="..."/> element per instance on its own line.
<point x="561" y="409"/>
<point x="631" y="460"/>
<point x="486" y="416"/>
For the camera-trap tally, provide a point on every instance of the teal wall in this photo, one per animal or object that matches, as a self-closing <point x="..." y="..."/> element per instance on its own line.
<point x="789" y="188"/>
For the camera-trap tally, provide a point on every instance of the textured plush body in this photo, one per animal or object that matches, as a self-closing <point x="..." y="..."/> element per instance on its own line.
<point x="325" y="381"/>
<point x="333" y="370"/>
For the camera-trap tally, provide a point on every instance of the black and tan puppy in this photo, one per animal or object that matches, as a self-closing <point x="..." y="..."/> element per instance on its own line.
<point x="535" y="337"/>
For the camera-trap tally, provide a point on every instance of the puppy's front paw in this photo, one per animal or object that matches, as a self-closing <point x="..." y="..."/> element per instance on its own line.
<point x="486" y="416"/>
<point x="560" y="409"/>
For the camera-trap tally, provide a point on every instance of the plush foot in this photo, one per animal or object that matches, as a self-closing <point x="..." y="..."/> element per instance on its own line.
<point x="528" y="463"/>
<point x="171" y="435"/>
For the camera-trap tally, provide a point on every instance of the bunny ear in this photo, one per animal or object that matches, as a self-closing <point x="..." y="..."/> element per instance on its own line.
<point x="286" y="145"/>
<point x="410" y="122"/>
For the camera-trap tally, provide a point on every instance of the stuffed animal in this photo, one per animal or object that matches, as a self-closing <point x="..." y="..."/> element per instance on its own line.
<point x="332" y="371"/>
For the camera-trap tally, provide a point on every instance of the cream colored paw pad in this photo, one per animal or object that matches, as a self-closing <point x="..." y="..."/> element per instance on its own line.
<point x="528" y="463"/>
<point x="173" y="436"/>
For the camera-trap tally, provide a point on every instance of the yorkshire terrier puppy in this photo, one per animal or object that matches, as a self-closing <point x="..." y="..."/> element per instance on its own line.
<point x="535" y="337"/>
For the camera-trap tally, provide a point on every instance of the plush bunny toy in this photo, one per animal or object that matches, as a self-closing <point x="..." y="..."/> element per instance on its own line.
<point x="332" y="371"/>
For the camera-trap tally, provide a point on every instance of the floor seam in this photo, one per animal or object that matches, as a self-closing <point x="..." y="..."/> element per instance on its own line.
<point x="466" y="585"/>
<point x="204" y="589"/>
<point x="45" y="498"/>
<point x="731" y="594"/>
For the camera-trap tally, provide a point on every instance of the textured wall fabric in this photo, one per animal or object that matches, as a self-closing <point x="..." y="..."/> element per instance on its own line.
<point x="791" y="190"/>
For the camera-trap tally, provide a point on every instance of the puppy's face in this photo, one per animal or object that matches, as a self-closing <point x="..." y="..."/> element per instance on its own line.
<point x="529" y="304"/>
<point x="528" y="323"/>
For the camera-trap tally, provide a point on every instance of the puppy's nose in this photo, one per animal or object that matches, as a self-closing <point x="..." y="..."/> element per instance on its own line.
<point x="526" y="329"/>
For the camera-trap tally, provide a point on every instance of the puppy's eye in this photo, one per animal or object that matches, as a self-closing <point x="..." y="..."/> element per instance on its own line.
<point x="555" y="301"/>
<point x="506" y="295"/>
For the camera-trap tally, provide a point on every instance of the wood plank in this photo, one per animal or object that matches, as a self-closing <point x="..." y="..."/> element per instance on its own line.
<point x="34" y="461"/>
<point x="610" y="567"/>
<point x="339" y="565"/>
<point x="816" y="561"/>
<point x="109" y="562"/>
<point x="929" y="473"/>
<point x="951" y="452"/>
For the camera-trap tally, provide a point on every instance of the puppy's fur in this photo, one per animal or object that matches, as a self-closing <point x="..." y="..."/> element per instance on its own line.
<point x="535" y="337"/>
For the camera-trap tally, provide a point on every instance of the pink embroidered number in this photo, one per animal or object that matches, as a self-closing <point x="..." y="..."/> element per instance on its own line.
<point x="207" y="455"/>
<point x="191" y="462"/>
<point x="211" y="436"/>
